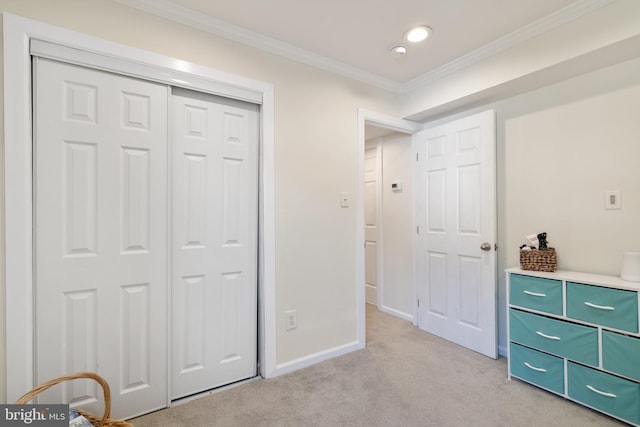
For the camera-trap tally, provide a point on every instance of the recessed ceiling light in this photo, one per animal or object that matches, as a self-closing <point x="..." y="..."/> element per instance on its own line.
<point x="417" y="34"/>
<point x="398" y="49"/>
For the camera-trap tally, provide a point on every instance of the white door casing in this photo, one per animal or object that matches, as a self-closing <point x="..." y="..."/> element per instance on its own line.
<point x="101" y="236"/>
<point x="371" y="218"/>
<point x="215" y="211"/>
<point x="455" y="215"/>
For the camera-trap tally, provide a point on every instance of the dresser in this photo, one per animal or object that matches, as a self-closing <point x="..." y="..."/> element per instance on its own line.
<point x="577" y="335"/>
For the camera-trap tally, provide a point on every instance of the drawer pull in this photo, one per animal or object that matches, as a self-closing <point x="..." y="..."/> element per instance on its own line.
<point x="599" y="307"/>
<point x="551" y="337"/>
<point x="534" y="294"/>
<point x="534" y="368"/>
<point x="601" y="393"/>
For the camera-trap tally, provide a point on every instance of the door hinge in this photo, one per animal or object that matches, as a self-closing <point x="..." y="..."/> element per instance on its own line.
<point x="417" y="157"/>
<point x="418" y="229"/>
<point x="418" y="302"/>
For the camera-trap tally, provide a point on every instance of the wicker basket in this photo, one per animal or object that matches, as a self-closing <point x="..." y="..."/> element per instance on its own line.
<point x="103" y="421"/>
<point x="539" y="260"/>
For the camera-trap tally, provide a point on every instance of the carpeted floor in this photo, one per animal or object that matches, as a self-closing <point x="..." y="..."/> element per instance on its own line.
<point x="404" y="377"/>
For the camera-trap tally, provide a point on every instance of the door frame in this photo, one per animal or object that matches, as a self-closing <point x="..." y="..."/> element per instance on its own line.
<point x="18" y="32"/>
<point x="392" y="123"/>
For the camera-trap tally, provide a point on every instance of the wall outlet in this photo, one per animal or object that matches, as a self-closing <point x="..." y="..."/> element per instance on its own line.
<point x="291" y="317"/>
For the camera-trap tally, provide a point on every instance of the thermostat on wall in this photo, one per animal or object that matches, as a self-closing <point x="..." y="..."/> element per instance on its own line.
<point x="396" y="187"/>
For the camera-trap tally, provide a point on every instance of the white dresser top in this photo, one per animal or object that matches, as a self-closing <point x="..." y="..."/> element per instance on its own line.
<point x="586" y="278"/>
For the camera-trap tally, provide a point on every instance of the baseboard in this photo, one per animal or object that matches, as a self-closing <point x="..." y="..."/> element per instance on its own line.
<point x="312" y="359"/>
<point x="502" y="350"/>
<point x="396" y="313"/>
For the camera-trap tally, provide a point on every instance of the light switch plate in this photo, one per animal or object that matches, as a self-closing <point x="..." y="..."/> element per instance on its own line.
<point x="344" y="199"/>
<point x="612" y="199"/>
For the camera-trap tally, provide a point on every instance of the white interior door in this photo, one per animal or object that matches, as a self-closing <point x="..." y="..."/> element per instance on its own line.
<point x="215" y="218"/>
<point x="371" y="223"/>
<point x="101" y="236"/>
<point x="456" y="216"/>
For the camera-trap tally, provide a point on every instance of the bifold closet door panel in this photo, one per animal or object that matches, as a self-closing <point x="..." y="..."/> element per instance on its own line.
<point x="215" y="217"/>
<point x="101" y="259"/>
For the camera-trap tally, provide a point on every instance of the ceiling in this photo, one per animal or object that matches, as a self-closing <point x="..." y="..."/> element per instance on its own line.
<point x="355" y="35"/>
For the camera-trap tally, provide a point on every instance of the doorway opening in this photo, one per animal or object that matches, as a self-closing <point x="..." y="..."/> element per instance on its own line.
<point x="385" y="214"/>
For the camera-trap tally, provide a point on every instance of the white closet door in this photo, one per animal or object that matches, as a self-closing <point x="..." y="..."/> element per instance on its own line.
<point x="215" y="217"/>
<point x="101" y="236"/>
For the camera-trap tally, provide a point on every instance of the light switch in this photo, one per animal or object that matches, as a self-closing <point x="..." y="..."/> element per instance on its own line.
<point x="344" y="199"/>
<point x="612" y="199"/>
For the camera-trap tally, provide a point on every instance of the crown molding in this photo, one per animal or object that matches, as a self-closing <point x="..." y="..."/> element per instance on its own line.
<point x="215" y="26"/>
<point x="536" y="28"/>
<point x="191" y="18"/>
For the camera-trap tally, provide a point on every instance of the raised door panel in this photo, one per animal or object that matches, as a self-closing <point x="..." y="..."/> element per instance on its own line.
<point x="135" y="199"/>
<point x="438" y="290"/>
<point x="371" y="273"/>
<point x="470" y="291"/>
<point x="79" y="197"/>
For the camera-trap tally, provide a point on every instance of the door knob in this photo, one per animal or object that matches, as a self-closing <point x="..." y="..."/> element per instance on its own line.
<point x="485" y="246"/>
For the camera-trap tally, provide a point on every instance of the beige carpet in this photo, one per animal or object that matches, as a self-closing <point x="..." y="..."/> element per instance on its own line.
<point x="404" y="377"/>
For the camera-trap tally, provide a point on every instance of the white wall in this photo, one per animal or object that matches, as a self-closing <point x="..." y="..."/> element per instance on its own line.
<point x="315" y="132"/>
<point x="560" y="148"/>
<point x="397" y="218"/>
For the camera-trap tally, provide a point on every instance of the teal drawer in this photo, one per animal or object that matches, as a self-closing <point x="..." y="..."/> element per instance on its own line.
<point x="608" y="393"/>
<point x="538" y="368"/>
<point x="621" y="354"/>
<point x="564" y="339"/>
<point x="536" y="293"/>
<point x="615" y="308"/>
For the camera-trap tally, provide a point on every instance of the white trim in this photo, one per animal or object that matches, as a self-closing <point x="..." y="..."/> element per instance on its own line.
<point x="146" y="71"/>
<point x="189" y="17"/>
<point x="312" y="359"/>
<point x="397" y="313"/>
<point x="210" y="24"/>
<point x="18" y="309"/>
<point x="18" y="338"/>
<point x="534" y="29"/>
<point x="391" y="123"/>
